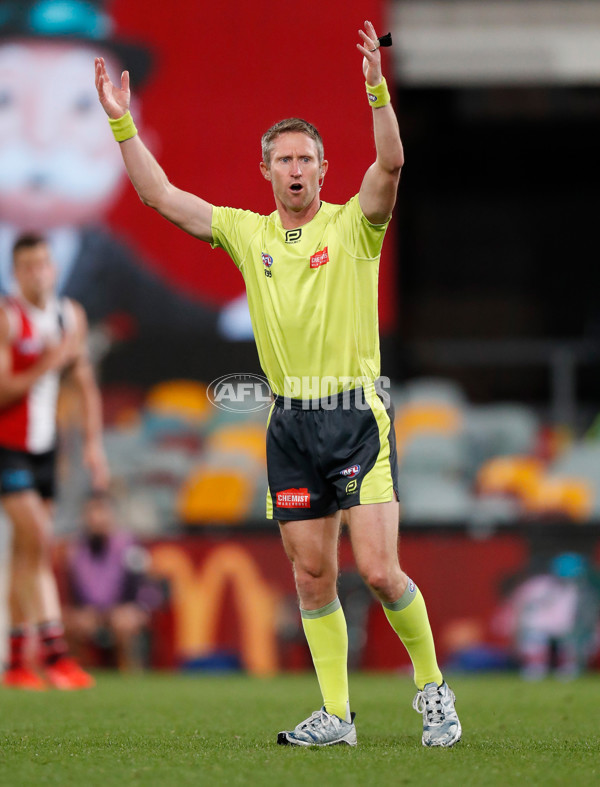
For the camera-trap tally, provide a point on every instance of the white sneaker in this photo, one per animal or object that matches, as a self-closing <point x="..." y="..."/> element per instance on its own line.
<point x="320" y="729"/>
<point x="441" y="726"/>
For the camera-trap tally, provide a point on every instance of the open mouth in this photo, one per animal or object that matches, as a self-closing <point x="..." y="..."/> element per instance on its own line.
<point x="296" y="187"/>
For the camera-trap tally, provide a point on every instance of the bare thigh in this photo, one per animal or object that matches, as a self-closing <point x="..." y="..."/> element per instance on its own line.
<point x="32" y="524"/>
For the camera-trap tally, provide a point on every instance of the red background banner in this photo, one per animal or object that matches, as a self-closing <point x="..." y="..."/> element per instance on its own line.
<point x="233" y="594"/>
<point x="222" y="74"/>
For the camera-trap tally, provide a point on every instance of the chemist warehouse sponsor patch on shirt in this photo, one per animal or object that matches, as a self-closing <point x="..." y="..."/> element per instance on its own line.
<point x="319" y="258"/>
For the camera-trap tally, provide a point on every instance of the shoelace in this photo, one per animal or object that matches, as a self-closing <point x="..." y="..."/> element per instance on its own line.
<point x="424" y="702"/>
<point x="317" y="725"/>
<point x="319" y="717"/>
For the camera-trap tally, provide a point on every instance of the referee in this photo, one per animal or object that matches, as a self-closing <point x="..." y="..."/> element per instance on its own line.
<point x="311" y="270"/>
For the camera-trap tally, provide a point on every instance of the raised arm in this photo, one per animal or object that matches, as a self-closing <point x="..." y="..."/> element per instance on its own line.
<point x="377" y="194"/>
<point x="192" y="214"/>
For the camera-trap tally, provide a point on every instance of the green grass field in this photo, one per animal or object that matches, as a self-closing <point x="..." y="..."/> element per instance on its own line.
<point x="213" y="730"/>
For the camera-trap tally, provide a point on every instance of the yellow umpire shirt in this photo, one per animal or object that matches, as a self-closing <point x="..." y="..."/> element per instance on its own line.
<point x="312" y="294"/>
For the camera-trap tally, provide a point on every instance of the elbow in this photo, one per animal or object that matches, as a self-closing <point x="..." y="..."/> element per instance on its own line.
<point x="392" y="165"/>
<point x="154" y="197"/>
<point x="396" y="169"/>
<point x="392" y="172"/>
<point x="149" y="201"/>
<point x="397" y="163"/>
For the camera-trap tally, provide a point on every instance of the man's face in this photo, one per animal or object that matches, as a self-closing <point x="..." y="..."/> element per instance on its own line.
<point x="294" y="171"/>
<point x="58" y="160"/>
<point x="34" y="272"/>
<point x="99" y="518"/>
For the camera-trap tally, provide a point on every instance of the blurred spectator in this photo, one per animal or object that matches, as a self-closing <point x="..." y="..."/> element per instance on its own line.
<point x="110" y="595"/>
<point x="61" y="171"/>
<point x="552" y="618"/>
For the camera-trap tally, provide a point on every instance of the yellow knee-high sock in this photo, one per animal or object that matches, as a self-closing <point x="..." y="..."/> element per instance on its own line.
<point x="408" y="618"/>
<point x="327" y="637"/>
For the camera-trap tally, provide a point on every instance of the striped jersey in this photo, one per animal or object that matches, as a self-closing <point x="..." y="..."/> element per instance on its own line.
<point x="29" y="423"/>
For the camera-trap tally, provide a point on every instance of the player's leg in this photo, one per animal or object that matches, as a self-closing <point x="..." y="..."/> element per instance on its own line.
<point x="60" y="669"/>
<point x="374" y="535"/>
<point x="34" y="585"/>
<point x="303" y="504"/>
<point x="373" y="525"/>
<point x="312" y="546"/>
<point x="25" y="595"/>
<point x="33" y="591"/>
<point x="372" y="512"/>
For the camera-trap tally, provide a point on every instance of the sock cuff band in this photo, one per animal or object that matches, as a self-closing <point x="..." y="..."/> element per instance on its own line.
<point x="51" y="628"/>
<point x="333" y="606"/>
<point x="405" y="599"/>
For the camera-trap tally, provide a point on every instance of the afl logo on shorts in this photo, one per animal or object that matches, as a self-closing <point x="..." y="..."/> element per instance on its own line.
<point x="267" y="260"/>
<point x="351" y="472"/>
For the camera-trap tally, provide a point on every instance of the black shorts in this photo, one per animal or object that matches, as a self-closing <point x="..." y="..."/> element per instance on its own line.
<point x="326" y="455"/>
<point x="20" y="471"/>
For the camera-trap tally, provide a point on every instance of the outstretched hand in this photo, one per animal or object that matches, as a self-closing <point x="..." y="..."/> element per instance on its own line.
<point x="114" y="100"/>
<point x="371" y="55"/>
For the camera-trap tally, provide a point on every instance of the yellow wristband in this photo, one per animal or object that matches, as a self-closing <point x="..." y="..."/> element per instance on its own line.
<point x="123" y="128"/>
<point x="379" y="95"/>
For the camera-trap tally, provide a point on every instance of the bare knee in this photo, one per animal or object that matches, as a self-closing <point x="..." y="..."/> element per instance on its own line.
<point x="388" y="582"/>
<point x="316" y="585"/>
<point x="312" y="546"/>
<point x="31" y="541"/>
<point x="33" y="551"/>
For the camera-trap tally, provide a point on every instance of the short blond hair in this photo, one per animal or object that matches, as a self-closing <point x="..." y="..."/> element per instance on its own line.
<point x="286" y="126"/>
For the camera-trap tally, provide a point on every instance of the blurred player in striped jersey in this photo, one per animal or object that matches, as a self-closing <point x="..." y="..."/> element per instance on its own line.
<point x="311" y="274"/>
<point x="42" y="338"/>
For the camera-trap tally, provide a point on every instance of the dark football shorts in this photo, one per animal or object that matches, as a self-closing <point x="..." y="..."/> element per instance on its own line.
<point x="329" y="454"/>
<point x="20" y="471"/>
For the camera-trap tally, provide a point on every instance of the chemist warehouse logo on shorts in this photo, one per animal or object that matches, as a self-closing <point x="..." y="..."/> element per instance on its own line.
<point x="293" y="498"/>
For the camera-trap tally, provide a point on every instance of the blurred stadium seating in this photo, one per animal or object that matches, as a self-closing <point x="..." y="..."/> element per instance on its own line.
<point x="177" y="460"/>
